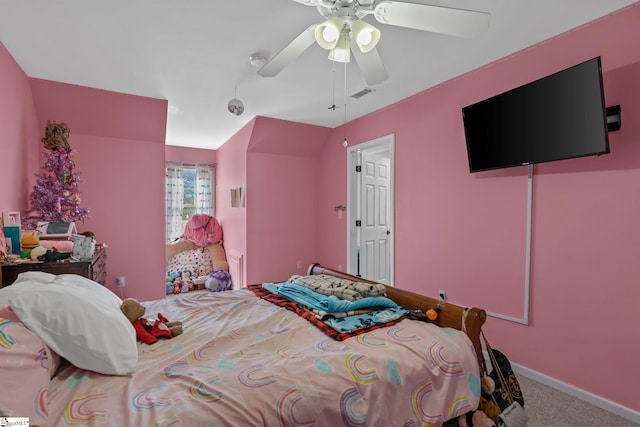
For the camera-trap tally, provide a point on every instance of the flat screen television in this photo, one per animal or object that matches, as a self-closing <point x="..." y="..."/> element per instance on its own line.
<point x="557" y="117"/>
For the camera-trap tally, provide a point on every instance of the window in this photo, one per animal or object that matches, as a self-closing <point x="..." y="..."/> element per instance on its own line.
<point x="189" y="190"/>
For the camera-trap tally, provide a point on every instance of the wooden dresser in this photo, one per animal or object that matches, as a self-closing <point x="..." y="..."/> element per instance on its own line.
<point x="94" y="269"/>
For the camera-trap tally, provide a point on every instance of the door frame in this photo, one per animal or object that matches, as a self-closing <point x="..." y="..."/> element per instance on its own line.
<point x="383" y="145"/>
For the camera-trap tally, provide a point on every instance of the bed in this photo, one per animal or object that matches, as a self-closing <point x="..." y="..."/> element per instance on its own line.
<point x="241" y="361"/>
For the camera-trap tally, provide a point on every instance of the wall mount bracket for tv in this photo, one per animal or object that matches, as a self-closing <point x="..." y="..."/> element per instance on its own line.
<point x="614" y="118"/>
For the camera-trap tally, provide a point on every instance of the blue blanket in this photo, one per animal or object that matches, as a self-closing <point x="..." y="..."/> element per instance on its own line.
<point x="331" y="303"/>
<point x="363" y="321"/>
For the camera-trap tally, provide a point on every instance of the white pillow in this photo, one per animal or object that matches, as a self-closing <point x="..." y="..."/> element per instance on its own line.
<point x="35" y="276"/>
<point x="80" y="320"/>
<point x="26" y="280"/>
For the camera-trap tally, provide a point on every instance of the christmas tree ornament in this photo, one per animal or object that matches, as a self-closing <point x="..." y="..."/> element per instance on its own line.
<point x="55" y="136"/>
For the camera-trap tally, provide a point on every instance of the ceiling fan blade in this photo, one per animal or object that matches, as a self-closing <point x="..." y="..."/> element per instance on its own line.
<point x="370" y="65"/>
<point x="289" y="53"/>
<point x="308" y="2"/>
<point x="437" y="19"/>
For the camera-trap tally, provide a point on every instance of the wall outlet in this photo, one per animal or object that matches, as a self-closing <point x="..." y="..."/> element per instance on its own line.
<point x="299" y="265"/>
<point x="442" y="295"/>
<point x="120" y="283"/>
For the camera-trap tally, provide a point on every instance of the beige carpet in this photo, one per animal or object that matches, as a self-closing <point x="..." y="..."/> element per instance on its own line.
<point x="548" y="407"/>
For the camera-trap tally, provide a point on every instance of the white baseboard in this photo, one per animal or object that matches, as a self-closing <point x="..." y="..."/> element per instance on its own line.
<point x="591" y="398"/>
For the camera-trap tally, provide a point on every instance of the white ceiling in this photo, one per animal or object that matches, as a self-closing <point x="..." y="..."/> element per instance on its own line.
<point x="195" y="54"/>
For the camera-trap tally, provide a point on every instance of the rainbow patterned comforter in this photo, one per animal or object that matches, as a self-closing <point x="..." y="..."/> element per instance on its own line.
<point x="243" y="361"/>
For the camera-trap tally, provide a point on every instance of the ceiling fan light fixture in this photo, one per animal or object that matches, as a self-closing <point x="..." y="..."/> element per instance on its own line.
<point x="340" y="55"/>
<point x="235" y="107"/>
<point x="257" y="61"/>
<point x="328" y="33"/>
<point x="341" y="52"/>
<point x="366" y="35"/>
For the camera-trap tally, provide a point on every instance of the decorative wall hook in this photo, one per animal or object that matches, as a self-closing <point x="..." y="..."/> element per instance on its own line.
<point x="340" y="208"/>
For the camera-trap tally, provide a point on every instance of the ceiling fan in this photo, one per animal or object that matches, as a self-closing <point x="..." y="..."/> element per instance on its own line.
<point x="344" y="32"/>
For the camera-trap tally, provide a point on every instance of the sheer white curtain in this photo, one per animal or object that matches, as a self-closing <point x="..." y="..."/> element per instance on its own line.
<point x="174" y="199"/>
<point x="204" y="189"/>
<point x="196" y="183"/>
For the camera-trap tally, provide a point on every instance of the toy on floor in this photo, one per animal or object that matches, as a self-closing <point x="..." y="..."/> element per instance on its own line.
<point x="480" y="418"/>
<point x="475" y="419"/>
<point x="149" y="330"/>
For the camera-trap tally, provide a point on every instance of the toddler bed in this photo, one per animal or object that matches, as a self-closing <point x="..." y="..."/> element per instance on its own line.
<point x="197" y="262"/>
<point x="198" y="258"/>
<point x="241" y="361"/>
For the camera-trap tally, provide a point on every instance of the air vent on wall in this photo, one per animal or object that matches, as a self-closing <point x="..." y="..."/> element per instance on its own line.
<point x="362" y="93"/>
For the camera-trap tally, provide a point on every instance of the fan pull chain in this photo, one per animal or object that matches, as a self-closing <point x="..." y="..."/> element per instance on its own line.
<point x="345" y="142"/>
<point x="333" y="86"/>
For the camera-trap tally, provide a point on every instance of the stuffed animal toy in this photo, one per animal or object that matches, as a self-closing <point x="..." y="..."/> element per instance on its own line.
<point x="177" y="286"/>
<point x="53" y="255"/>
<point x="218" y="257"/>
<point x="475" y="419"/>
<point x="149" y="330"/>
<point x="203" y="230"/>
<point x="187" y="281"/>
<point x="480" y="418"/>
<point x="185" y="288"/>
<point x="218" y="281"/>
<point x="55" y="136"/>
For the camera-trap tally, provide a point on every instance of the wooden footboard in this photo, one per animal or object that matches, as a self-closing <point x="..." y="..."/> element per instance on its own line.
<point x="468" y="320"/>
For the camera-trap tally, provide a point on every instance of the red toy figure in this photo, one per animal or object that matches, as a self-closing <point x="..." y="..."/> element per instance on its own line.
<point x="149" y="330"/>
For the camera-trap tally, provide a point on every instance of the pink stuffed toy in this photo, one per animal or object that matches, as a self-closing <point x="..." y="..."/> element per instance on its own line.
<point x="203" y="230"/>
<point x="177" y="286"/>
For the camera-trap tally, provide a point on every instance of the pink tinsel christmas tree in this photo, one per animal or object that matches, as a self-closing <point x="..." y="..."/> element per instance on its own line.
<point x="55" y="197"/>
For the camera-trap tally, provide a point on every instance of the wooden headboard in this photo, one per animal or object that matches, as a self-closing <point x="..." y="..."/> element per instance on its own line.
<point x="451" y="315"/>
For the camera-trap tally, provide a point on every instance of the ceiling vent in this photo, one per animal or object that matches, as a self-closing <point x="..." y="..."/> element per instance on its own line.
<point x="362" y="93"/>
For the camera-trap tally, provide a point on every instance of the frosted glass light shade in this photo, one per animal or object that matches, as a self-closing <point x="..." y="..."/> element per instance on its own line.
<point x="341" y="52"/>
<point x="328" y="33"/>
<point x="366" y="36"/>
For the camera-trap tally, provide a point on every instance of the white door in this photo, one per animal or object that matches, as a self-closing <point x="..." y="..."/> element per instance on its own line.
<point x="370" y="243"/>
<point x="376" y="230"/>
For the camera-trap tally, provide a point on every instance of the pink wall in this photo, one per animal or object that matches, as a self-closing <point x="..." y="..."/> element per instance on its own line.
<point x="465" y="233"/>
<point x="231" y="172"/>
<point x="277" y="161"/>
<point x="119" y="141"/>
<point x="281" y="217"/>
<point x="18" y="129"/>
<point x="282" y="177"/>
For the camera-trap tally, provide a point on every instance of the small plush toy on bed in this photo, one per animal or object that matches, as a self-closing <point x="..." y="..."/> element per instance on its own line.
<point x="149" y="330"/>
